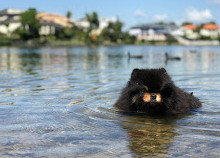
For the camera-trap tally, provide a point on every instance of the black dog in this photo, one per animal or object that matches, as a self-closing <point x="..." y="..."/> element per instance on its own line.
<point x="152" y="91"/>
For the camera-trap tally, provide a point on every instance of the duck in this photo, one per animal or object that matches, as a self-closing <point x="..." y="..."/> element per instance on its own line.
<point x="134" y="56"/>
<point x="171" y="58"/>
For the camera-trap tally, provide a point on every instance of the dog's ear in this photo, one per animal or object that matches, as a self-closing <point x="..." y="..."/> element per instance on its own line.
<point x="134" y="73"/>
<point x="163" y="71"/>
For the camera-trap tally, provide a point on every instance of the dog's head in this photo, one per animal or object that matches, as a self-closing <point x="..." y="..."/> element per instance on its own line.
<point x="151" y="87"/>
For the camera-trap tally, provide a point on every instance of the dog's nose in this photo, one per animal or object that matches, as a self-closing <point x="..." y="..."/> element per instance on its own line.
<point x="153" y="97"/>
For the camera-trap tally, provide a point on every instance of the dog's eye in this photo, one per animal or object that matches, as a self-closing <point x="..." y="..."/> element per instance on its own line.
<point x="146" y="88"/>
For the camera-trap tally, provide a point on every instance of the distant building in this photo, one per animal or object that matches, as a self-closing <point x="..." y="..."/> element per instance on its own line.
<point x="82" y="23"/>
<point x="50" y="23"/>
<point x="178" y="31"/>
<point x="152" y="32"/>
<point x="9" y="20"/>
<point x="210" y="30"/>
<point x="103" y="23"/>
<point x="190" y="31"/>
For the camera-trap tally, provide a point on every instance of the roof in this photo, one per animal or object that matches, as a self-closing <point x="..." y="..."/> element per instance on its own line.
<point x="54" y="18"/>
<point x="154" y="26"/>
<point x="210" y="27"/>
<point x="190" y="27"/>
<point x="164" y="29"/>
<point x="11" y="12"/>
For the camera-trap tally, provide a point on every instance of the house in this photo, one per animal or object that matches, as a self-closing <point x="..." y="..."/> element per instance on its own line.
<point x="210" y="31"/>
<point x="82" y="23"/>
<point x="177" y="32"/>
<point x="152" y="32"/>
<point x="9" y="20"/>
<point x="103" y="23"/>
<point x="190" y="31"/>
<point x="50" y="23"/>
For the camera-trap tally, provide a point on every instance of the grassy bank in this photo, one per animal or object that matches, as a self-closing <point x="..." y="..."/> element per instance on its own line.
<point x="73" y="42"/>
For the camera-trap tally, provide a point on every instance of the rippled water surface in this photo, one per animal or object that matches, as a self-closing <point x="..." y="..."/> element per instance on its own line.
<point x="58" y="102"/>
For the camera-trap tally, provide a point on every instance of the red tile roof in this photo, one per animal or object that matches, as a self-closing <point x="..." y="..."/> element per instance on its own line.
<point x="190" y="27"/>
<point x="210" y="27"/>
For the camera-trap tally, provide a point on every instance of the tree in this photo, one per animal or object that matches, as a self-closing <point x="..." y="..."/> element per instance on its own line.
<point x="128" y="39"/>
<point x="64" y="33"/>
<point x="30" y="24"/>
<point x="93" y="20"/>
<point x="68" y="14"/>
<point x="212" y="22"/>
<point x="172" y="23"/>
<point x="186" y="23"/>
<point x="7" y="25"/>
<point x="161" y="23"/>
<point x="113" y="32"/>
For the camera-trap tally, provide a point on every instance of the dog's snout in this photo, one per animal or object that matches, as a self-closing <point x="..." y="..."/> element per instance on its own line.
<point x="153" y="96"/>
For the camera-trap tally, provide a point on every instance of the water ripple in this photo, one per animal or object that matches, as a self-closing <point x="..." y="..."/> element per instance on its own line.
<point x="58" y="102"/>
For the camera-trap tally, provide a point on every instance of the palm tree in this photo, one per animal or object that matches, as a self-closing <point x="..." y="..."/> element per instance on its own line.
<point x="68" y="14"/>
<point x="7" y="27"/>
<point x="93" y="20"/>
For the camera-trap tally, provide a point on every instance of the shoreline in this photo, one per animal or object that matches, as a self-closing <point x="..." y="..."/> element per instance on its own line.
<point x="75" y="43"/>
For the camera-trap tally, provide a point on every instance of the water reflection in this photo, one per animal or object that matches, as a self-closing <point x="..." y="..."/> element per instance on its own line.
<point x="65" y="59"/>
<point x="71" y="91"/>
<point x="149" y="136"/>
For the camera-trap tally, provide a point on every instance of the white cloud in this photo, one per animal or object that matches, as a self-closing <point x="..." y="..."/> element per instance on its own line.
<point x="160" y="17"/>
<point x="140" y="13"/>
<point x="195" y="15"/>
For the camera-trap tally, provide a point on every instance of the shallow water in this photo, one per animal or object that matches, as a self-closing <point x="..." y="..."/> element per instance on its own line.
<point x="58" y="102"/>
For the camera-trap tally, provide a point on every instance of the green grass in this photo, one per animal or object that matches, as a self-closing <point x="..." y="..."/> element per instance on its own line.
<point x="65" y="42"/>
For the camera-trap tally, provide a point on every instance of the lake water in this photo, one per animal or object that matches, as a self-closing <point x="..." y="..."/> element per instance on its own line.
<point x="58" y="102"/>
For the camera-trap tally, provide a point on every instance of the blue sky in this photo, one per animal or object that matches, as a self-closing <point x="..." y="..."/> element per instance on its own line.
<point x="131" y="12"/>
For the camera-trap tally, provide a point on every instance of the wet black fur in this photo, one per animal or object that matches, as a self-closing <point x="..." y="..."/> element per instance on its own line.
<point x="174" y="99"/>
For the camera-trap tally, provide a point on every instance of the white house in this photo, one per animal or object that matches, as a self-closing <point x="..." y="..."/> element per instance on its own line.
<point x="190" y="31"/>
<point x="135" y="31"/>
<point x="82" y="23"/>
<point x="151" y="32"/>
<point x="103" y="22"/>
<point x="9" y="20"/>
<point x="210" y="30"/>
